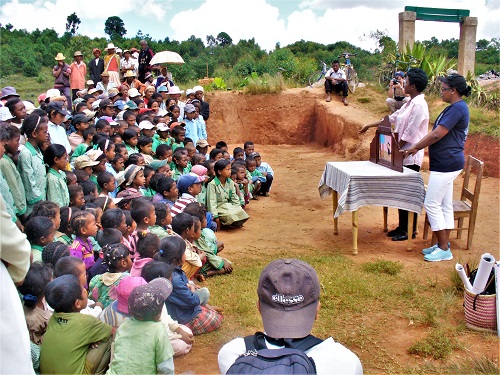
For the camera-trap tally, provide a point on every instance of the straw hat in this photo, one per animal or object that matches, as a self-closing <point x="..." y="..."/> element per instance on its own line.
<point x="77" y="53"/>
<point x="129" y="73"/>
<point x="60" y="56"/>
<point x="110" y="46"/>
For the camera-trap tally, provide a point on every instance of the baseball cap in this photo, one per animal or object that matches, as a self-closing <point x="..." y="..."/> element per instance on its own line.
<point x="112" y="92"/>
<point x="254" y="155"/>
<point x="92" y="91"/>
<point x="146" y="125"/>
<point x="146" y="301"/>
<point x="162" y="88"/>
<point x="200" y="170"/>
<point x="106" y="102"/>
<point x="110" y="120"/>
<point x="189" y="92"/>
<point x="162" y="127"/>
<point x="58" y="107"/>
<point x="189" y="108"/>
<point x="5" y="114"/>
<point x="174" y="124"/>
<point x="133" y="92"/>
<point x="156" y="164"/>
<point x="131" y="105"/>
<point x="78" y="118"/>
<point x="41" y="97"/>
<point x="399" y="74"/>
<point x="188" y="179"/>
<point x="121" y="104"/>
<point x="288" y="293"/>
<point x="51" y="93"/>
<point x="124" y="289"/>
<point x="175" y="90"/>
<point x="456" y="81"/>
<point x="202" y="143"/>
<point x="198" y="88"/>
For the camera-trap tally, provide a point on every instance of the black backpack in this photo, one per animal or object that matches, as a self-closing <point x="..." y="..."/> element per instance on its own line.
<point x="292" y="359"/>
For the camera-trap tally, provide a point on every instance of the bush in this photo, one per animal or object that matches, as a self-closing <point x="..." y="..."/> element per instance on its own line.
<point x="31" y="68"/>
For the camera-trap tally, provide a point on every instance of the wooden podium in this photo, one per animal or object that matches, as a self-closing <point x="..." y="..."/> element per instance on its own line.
<point x="384" y="148"/>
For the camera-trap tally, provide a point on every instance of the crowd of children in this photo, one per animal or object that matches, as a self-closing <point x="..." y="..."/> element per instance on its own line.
<point x="122" y="218"/>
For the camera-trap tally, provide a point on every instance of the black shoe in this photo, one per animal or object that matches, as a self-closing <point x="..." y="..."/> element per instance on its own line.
<point x="395" y="232"/>
<point x="403" y="237"/>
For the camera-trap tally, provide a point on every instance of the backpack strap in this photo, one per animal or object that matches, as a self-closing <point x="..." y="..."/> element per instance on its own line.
<point x="258" y="342"/>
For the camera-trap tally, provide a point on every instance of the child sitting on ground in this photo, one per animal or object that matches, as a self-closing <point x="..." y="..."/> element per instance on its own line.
<point x="215" y="265"/>
<point x="181" y="337"/>
<point x="266" y="171"/>
<point x="179" y="163"/>
<point x="63" y="234"/>
<point x="147" y="246"/>
<point x="164" y="152"/>
<point x="36" y="311"/>
<point x="145" y="146"/>
<point x="83" y="225"/>
<point x="107" y="184"/>
<point x="148" y="190"/>
<point x="117" y="259"/>
<point x="66" y="348"/>
<point x="76" y="196"/>
<point x="143" y="213"/>
<point x="239" y="176"/>
<point x="53" y="252"/>
<point x="39" y="232"/>
<point x="257" y="177"/>
<point x="189" y="186"/>
<point x="163" y="220"/>
<point x="47" y="209"/>
<point x="167" y="191"/>
<point x="130" y="139"/>
<point x="188" y="304"/>
<point x="186" y="228"/>
<point x="222" y="200"/>
<point x="155" y="353"/>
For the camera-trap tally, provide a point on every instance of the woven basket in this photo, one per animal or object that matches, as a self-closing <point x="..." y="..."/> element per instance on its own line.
<point x="480" y="311"/>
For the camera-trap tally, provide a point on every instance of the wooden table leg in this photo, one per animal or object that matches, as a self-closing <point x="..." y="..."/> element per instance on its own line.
<point x="410" y="229"/>
<point x="335" y="197"/>
<point x="355" y="232"/>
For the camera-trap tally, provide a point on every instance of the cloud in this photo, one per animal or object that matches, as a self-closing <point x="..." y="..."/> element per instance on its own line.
<point x="327" y="4"/>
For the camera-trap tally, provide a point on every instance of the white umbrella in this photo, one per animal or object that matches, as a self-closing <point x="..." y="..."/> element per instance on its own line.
<point x="166" y="57"/>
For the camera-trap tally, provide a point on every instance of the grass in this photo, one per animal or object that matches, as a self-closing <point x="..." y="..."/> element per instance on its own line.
<point x="437" y="345"/>
<point x="383" y="266"/>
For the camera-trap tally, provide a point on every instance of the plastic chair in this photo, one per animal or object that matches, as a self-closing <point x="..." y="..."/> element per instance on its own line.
<point x="467" y="205"/>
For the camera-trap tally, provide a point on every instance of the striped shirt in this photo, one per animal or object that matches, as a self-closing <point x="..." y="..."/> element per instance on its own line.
<point x="181" y="203"/>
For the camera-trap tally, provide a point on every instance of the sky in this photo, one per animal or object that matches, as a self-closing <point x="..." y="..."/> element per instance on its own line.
<point x="268" y="21"/>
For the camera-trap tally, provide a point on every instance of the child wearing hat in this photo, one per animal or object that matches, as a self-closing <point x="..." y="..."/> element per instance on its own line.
<point x="152" y="353"/>
<point x="189" y="186"/>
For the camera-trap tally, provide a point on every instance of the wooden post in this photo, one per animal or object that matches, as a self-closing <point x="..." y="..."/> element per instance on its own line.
<point x="355" y="232"/>
<point x="386" y="211"/>
<point x="335" y="219"/>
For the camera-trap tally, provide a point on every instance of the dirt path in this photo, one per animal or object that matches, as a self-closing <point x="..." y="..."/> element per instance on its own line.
<point x="296" y="215"/>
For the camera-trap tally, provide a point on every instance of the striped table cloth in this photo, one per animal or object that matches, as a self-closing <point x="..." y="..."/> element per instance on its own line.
<point x="363" y="183"/>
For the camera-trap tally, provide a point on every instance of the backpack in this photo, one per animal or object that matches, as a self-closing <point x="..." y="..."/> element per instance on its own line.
<point x="290" y="360"/>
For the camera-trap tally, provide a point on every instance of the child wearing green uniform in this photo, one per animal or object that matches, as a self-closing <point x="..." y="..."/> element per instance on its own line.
<point x="56" y="158"/>
<point x="30" y="161"/>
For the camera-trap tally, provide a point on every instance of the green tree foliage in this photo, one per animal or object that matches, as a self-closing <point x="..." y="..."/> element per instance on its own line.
<point x="224" y="39"/>
<point x="72" y="23"/>
<point x="115" y="27"/>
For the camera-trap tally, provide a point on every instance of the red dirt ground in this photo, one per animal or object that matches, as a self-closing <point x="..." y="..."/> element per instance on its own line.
<point x="297" y="133"/>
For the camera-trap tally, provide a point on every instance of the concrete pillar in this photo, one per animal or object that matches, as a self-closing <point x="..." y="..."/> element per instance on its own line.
<point x="406" y="29"/>
<point x="467" y="46"/>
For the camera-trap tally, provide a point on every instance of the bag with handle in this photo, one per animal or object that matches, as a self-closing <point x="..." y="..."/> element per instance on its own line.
<point x="291" y="359"/>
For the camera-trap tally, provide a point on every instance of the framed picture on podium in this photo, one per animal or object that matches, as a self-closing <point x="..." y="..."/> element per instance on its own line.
<point x="384" y="148"/>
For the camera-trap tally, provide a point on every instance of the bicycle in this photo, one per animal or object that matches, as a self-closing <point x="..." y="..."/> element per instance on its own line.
<point x="387" y="73"/>
<point x="317" y="76"/>
<point x="350" y="74"/>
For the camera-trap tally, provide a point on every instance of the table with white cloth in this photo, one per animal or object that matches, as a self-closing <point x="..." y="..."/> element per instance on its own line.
<point x="362" y="183"/>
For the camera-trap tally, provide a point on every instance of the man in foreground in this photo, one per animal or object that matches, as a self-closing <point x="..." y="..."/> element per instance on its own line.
<point x="288" y="303"/>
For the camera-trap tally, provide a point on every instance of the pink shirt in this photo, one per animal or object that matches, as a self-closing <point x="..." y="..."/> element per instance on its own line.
<point x="136" y="269"/>
<point x="83" y="250"/>
<point x="77" y="76"/>
<point x="412" y="124"/>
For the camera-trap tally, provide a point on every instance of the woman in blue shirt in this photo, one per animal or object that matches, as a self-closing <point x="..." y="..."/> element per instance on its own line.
<point x="446" y="158"/>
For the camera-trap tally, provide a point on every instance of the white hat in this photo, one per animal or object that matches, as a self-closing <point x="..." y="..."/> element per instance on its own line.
<point x="148" y="125"/>
<point x="51" y="93"/>
<point x="95" y="105"/>
<point x="133" y="92"/>
<point x="30" y="107"/>
<point x="5" y="114"/>
<point x="162" y="127"/>
<point x="198" y="88"/>
<point x="175" y="90"/>
<point x="111" y="46"/>
<point x="92" y="91"/>
<point x="118" y="50"/>
<point x="119" y="116"/>
<point x="189" y="92"/>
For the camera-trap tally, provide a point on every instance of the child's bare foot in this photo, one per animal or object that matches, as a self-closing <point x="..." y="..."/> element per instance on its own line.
<point x="199" y="277"/>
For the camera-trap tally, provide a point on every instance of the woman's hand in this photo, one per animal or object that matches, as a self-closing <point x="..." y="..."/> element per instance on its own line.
<point x="410" y="151"/>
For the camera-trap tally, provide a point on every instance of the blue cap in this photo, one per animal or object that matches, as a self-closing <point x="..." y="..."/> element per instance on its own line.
<point x="186" y="180"/>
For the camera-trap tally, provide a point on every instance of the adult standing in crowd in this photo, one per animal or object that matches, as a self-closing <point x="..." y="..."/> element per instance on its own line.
<point x="105" y="83"/>
<point x="112" y="64"/>
<point x="78" y="74"/>
<point x="62" y="72"/>
<point x="96" y="66"/>
<point x="205" y="107"/>
<point x="128" y="63"/>
<point x="411" y="123"/>
<point x="446" y="144"/>
<point x="145" y="56"/>
<point x="396" y="96"/>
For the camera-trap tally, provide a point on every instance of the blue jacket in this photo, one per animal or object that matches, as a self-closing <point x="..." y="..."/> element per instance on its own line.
<point x="182" y="305"/>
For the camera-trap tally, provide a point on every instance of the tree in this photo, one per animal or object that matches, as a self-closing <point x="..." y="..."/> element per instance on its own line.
<point x="211" y="42"/>
<point x="115" y="27"/>
<point x="224" y="39"/>
<point x="72" y="23"/>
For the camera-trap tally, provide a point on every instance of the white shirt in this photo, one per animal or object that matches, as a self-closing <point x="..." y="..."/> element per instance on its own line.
<point x="339" y="74"/>
<point x="330" y="357"/>
<point x="58" y="136"/>
<point x="100" y="86"/>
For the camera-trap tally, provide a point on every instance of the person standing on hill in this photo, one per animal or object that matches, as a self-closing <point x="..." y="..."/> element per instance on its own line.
<point x="78" y="74"/>
<point x="112" y="64"/>
<point x="96" y="66"/>
<point x="145" y="57"/>
<point x="61" y="72"/>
